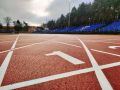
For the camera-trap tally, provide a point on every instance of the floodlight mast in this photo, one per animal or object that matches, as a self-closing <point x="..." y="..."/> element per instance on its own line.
<point x="69" y="20"/>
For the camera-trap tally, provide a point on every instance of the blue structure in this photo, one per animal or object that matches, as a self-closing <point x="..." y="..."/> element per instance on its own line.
<point x="94" y="28"/>
<point x="80" y="29"/>
<point x="87" y="29"/>
<point x="112" y="28"/>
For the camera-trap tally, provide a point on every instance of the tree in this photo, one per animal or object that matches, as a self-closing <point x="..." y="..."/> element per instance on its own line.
<point x="25" y="26"/>
<point x="61" y="22"/>
<point x="51" y="24"/>
<point x="97" y="12"/>
<point x="1" y="26"/>
<point x="73" y="15"/>
<point x="17" y="26"/>
<point x="7" y="21"/>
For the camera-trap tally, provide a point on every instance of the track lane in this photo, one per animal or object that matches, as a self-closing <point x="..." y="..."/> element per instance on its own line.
<point x="28" y="55"/>
<point x="36" y="64"/>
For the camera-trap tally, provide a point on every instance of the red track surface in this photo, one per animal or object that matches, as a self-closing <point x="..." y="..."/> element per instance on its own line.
<point x="29" y="61"/>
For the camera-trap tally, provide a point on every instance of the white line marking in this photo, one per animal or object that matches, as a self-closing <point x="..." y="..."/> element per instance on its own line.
<point x="31" y="45"/>
<point x="92" y="49"/>
<point x="45" y="79"/>
<point x="102" y="40"/>
<point x="105" y="52"/>
<point x="67" y="57"/>
<point x="23" y="40"/>
<point x="24" y="46"/>
<point x="54" y="77"/>
<point x="112" y="42"/>
<point x="114" y="47"/>
<point x="6" y="41"/>
<point x="5" y="64"/>
<point x="104" y="83"/>
<point x="4" y="51"/>
<point x="110" y="65"/>
<point x="68" y="44"/>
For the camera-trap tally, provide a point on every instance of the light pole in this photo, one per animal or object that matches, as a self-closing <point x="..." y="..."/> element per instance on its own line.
<point x="69" y="20"/>
<point x="117" y="15"/>
<point x="89" y="20"/>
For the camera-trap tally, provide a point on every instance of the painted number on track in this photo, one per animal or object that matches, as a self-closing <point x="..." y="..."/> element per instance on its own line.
<point x="67" y="57"/>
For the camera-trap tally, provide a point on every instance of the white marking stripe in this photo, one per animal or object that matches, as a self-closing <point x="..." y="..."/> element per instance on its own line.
<point x="5" y="64"/>
<point x="110" y="65"/>
<point x="24" y="46"/>
<point x="102" y="40"/>
<point x="67" y="57"/>
<point x="68" y="44"/>
<point x="104" y="83"/>
<point x="39" y="43"/>
<point x="114" y="47"/>
<point x="5" y="51"/>
<point x="45" y="79"/>
<point x="112" y="42"/>
<point x="55" y="77"/>
<point x="91" y="49"/>
<point x="6" y="41"/>
<point x="105" y="52"/>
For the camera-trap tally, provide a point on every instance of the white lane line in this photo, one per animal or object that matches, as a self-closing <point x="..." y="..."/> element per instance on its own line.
<point x="5" y="64"/>
<point x="4" y="51"/>
<point x="91" y="49"/>
<point x="54" y="77"/>
<point x="110" y="65"/>
<point x="66" y="57"/>
<point x="45" y="79"/>
<point x="112" y="42"/>
<point x="32" y="45"/>
<point x="104" y="83"/>
<point x="24" y="46"/>
<point x="105" y="52"/>
<point x="40" y="43"/>
<point x="102" y="40"/>
<point x="23" y="40"/>
<point x="68" y="44"/>
<point x="6" y="41"/>
<point x="114" y="47"/>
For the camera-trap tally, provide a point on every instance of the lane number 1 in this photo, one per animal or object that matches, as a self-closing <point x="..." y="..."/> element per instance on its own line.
<point x="66" y="57"/>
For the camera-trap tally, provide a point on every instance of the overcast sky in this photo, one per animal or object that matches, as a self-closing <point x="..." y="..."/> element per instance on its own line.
<point x="36" y="12"/>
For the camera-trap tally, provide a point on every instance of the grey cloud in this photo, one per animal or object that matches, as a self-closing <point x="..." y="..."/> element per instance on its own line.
<point x="59" y="7"/>
<point x="20" y="9"/>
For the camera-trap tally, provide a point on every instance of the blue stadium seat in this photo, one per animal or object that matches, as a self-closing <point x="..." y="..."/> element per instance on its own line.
<point x="80" y="29"/>
<point x="112" y="28"/>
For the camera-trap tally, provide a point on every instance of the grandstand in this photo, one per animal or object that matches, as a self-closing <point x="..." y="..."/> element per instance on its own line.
<point x="94" y="28"/>
<point x="112" y="28"/>
<point x="87" y="29"/>
<point x="80" y="29"/>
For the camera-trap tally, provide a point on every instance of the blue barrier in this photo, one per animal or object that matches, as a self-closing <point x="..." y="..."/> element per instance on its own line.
<point x="80" y="29"/>
<point x="114" y="27"/>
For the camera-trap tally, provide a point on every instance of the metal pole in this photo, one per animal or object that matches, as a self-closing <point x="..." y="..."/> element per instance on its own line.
<point x="69" y="21"/>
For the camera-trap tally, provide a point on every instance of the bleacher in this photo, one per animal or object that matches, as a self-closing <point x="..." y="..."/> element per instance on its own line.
<point x="111" y="28"/>
<point x="80" y="29"/>
<point x="94" y="28"/>
<point x="87" y="29"/>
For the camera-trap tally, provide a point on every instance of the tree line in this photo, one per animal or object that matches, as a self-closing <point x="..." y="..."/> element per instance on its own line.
<point x="17" y="27"/>
<point x="100" y="11"/>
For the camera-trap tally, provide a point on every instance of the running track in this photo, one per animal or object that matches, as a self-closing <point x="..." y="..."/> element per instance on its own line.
<point x="59" y="62"/>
